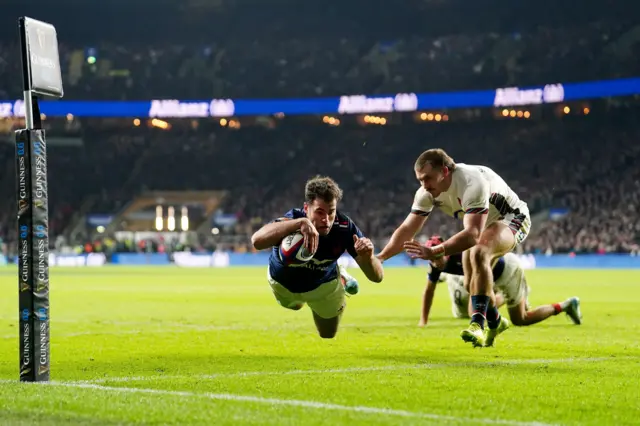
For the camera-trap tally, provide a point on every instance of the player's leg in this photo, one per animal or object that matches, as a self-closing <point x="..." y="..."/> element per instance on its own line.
<point x="511" y="286"/>
<point x="327" y="327"/>
<point x="284" y="297"/>
<point x="468" y="273"/>
<point x="467" y="269"/>
<point x="349" y="283"/>
<point x="500" y="300"/>
<point x="514" y="285"/>
<point x="521" y="317"/>
<point x="527" y="305"/>
<point x="327" y="303"/>
<point x="496" y="240"/>
<point x="459" y="296"/>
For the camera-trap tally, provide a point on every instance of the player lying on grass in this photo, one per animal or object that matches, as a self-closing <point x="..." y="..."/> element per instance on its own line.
<point x="495" y="221"/>
<point x="509" y="280"/>
<point x="449" y="269"/>
<point x="320" y="283"/>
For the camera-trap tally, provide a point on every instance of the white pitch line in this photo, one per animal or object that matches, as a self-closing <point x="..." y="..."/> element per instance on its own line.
<point x="299" y="403"/>
<point x="345" y="370"/>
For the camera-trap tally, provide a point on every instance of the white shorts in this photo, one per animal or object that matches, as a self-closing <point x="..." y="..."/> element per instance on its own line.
<point x="327" y="301"/>
<point x="458" y="295"/>
<point x="519" y="224"/>
<point x="512" y="283"/>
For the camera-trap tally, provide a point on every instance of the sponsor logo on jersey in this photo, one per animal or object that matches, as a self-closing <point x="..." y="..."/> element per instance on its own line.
<point x="315" y="264"/>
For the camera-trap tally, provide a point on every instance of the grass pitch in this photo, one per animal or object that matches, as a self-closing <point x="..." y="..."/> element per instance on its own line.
<point x="175" y="346"/>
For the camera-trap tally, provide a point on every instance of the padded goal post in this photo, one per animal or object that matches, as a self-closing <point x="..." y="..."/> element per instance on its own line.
<point x="41" y="77"/>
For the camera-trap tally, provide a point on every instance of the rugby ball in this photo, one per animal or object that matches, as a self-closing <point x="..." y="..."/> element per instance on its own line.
<point x="292" y="250"/>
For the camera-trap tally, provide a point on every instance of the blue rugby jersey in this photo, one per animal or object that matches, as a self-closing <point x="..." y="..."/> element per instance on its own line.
<point x="324" y="265"/>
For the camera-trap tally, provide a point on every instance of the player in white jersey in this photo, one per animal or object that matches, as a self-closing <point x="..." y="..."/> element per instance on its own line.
<point x="510" y="286"/>
<point x="460" y="297"/>
<point x="449" y="270"/>
<point x="495" y="222"/>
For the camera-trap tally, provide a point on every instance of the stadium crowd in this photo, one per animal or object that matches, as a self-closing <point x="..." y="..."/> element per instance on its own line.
<point x="333" y="65"/>
<point x="582" y="168"/>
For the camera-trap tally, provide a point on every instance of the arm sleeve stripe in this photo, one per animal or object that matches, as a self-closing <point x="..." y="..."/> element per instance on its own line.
<point x="419" y="212"/>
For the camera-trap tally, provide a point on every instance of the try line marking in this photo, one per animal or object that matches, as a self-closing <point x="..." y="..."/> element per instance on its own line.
<point x="93" y="385"/>
<point x="298" y="403"/>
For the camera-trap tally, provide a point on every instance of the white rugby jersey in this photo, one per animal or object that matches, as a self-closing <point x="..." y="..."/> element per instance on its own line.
<point x="474" y="189"/>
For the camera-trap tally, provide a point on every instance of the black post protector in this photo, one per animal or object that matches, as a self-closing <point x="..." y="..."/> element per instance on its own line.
<point x="33" y="241"/>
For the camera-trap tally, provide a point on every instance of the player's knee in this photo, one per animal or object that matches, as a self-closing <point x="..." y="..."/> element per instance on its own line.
<point x="480" y="255"/>
<point x="327" y="334"/>
<point x="518" y="321"/>
<point x="521" y="320"/>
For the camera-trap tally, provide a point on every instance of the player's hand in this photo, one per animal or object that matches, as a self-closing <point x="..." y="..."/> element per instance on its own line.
<point x="363" y="246"/>
<point x="311" y="235"/>
<point x="418" y="251"/>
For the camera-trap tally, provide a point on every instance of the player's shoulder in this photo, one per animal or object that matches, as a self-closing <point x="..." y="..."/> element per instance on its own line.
<point x="342" y="221"/>
<point x="470" y="175"/>
<point x="295" y="213"/>
<point x="476" y="171"/>
<point x="422" y="195"/>
<point x="468" y="170"/>
<point x="423" y="202"/>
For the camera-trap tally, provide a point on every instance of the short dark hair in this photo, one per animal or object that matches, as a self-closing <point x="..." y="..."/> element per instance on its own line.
<point x="323" y="188"/>
<point x="437" y="158"/>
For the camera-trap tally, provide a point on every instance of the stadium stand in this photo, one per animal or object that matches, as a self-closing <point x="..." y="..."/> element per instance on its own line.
<point x="578" y="175"/>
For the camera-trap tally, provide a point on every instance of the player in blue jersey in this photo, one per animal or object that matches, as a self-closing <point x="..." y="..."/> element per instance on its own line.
<point x="320" y="283"/>
<point x="510" y="286"/>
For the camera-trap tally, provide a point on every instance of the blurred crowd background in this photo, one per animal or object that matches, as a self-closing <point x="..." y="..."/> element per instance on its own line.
<point x="577" y="170"/>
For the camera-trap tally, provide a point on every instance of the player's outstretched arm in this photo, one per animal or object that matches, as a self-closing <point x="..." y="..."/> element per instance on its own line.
<point x="463" y="240"/>
<point x="427" y="301"/>
<point x="437" y="266"/>
<point x="369" y="264"/>
<point x="405" y="232"/>
<point x="272" y="233"/>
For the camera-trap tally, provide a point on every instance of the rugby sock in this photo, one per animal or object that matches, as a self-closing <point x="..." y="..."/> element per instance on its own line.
<point x="480" y="304"/>
<point x="493" y="317"/>
<point x="561" y="307"/>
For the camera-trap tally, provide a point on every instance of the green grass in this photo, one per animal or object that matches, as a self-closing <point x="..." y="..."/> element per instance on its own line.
<point x="174" y="346"/>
